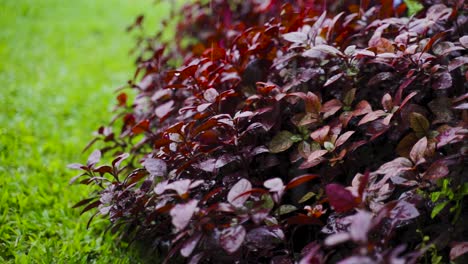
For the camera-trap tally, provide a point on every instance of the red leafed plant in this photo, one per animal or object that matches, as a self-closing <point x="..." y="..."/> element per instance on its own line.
<point x="293" y="132"/>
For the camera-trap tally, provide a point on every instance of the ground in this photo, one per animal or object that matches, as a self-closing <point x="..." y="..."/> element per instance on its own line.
<point x="60" y="62"/>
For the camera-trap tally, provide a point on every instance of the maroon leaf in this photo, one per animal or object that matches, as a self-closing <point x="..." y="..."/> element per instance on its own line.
<point x="119" y="159"/>
<point x="314" y="159"/>
<point x="371" y="117"/>
<point x="362" y="108"/>
<point x="320" y="134"/>
<point x="232" y="238"/>
<point x="141" y="127"/>
<point x="303" y="220"/>
<point x="330" y="108"/>
<point x="300" y="180"/>
<point x="340" y="198"/>
<point x="343" y="138"/>
<point x="436" y="171"/>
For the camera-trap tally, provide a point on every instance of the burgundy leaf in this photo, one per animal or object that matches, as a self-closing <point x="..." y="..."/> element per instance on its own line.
<point x="362" y="108"/>
<point x="141" y="127"/>
<point x="340" y="198"/>
<point x="371" y="117"/>
<point x="300" y="180"/>
<point x="343" y="138"/>
<point x="436" y="171"/>
<point x="320" y="134"/>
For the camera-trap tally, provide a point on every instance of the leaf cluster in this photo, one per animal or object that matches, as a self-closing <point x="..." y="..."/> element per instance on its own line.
<point x="291" y="131"/>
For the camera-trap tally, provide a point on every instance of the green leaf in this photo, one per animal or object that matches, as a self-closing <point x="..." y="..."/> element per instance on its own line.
<point x="306" y="197"/>
<point x="413" y="6"/>
<point x="286" y="209"/>
<point x="328" y="146"/>
<point x="419" y="124"/>
<point x="281" y="142"/>
<point x="267" y="201"/>
<point x="438" y="208"/>
<point x="435" y="196"/>
<point x="296" y="138"/>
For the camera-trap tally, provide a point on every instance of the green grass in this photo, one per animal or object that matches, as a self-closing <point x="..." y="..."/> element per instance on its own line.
<point x="60" y="62"/>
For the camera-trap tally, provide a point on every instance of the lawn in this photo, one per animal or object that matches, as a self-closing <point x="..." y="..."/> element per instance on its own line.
<point x="60" y="62"/>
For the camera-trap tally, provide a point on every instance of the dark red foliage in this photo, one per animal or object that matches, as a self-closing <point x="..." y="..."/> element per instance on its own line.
<point x="252" y="148"/>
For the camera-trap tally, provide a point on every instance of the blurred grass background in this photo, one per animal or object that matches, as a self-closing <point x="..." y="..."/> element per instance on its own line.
<point x="60" y="62"/>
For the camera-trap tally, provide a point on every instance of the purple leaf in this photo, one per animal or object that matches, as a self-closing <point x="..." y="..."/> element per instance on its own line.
<point x="443" y="81"/>
<point x="418" y="150"/>
<point x="459" y="248"/>
<point x="464" y="41"/>
<point x="94" y="158"/>
<point x="239" y="188"/>
<point x="360" y="226"/>
<point x="156" y="167"/>
<point x="190" y="244"/>
<point x="210" y="95"/>
<point x="232" y="238"/>
<point x="296" y="37"/>
<point x="182" y="213"/>
<point x="118" y="160"/>
<point x="162" y="110"/>
<point x="404" y="211"/>
<point x="274" y="185"/>
<point x="180" y="186"/>
<point x="333" y="79"/>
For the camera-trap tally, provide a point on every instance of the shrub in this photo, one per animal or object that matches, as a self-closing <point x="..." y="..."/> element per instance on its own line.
<point x="294" y="131"/>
